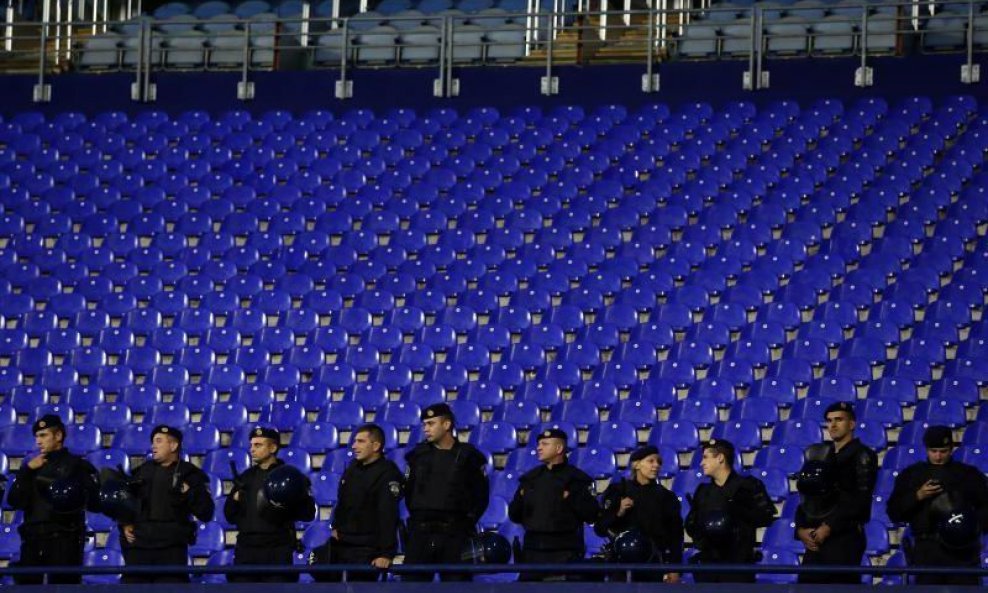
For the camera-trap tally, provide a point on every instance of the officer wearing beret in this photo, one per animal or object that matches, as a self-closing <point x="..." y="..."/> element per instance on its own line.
<point x="642" y="503"/>
<point x="265" y="534"/>
<point x="171" y="492"/>
<point x="725" y="513"/>
<point x="933" y="491"/>
<point x="53" y="489"/>
<point x="446" y="494"/>
<point x="552" y="503"/>
<point x="839" y="539"/>
<point x="365" y="520"/>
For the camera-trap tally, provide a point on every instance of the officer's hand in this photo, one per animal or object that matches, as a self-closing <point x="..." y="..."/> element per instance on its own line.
<point x="805" y="535"/>
<point x="381" y="563"/>
<point x="565" y="494"/>
<point x="38" y="461"/>
<point x="821" y="533"/>
<point x="334" y="535"/>
<point x="929" y="489"/>
<point x="185" y="487"/>
<point x="626" y="503"/>
<point x="236" y="496"/>
<point x="672" y="578"/>
<point x="128" y="531"/>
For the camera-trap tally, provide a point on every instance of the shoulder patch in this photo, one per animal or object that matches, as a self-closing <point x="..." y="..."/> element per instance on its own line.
<point x="394" y="488"/>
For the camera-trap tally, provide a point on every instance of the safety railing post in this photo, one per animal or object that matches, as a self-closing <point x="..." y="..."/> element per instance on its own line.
<point x="344" y="87"/>
<point x="42" y="90"/>
<point x="650" y="81"/>
<point x="970" y="72"/>
<point x="149" y="90"/>
<point x="761" y="75"/>
<point x="864" y="76"/>
<point x="549" y="84"/>
<point x="245" y="88"/>
<point x="304" y="28"/>
<point x="439" y="84"/>
<point x="748" y="78"/>
<point x="453" y="88"/>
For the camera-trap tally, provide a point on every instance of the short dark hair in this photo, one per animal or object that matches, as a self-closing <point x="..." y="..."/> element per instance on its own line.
<point x="375" y="432"/>
<point x="724" y="448"/>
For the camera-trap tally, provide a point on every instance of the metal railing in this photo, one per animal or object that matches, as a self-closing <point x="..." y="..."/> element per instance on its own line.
<point x="589" y="569"/>
<point x="539" y="38"/>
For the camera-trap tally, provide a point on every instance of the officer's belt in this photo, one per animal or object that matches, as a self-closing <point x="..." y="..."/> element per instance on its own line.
<point x="454" y="526"/>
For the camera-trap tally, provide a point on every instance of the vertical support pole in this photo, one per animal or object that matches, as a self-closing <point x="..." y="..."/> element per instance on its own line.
<point x="8" y="27"/>
<point x="344" y="87"/>
<point x="626" y="17"/>
<point x="452" y="82"/>
<point x="42" y="90"/>
<point x="864" y="76"/>
<point x="549" y="84"/>
<point x="749" y="83"/>
<point x="69" y="18"/>
<point x="602" y="31"/>
<point x="136" y="89"/>
<point x="761" y="78"/>
<point x="149" y="89"/>
<point x="245" y="88"/>
<point x="970" y="72"/>
<point x="650" y="82"/>
<point x="439" y="84"/>
<point x="336" y="14"/>
<point x="58" y="31"/>
<point x="306" y="14"/>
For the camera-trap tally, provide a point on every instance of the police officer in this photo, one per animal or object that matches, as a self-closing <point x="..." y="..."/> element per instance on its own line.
<point x="840" y="538"/>
<point x="553" y="502"/>
<point x="724" y="514"/>
<point x="53" y="488"/>
<point x="171" y="492"/>
<point x="265" y="533"/>
<point x="365" y="520"/>
<point x="644" y="504"/>
<point x="933" y="491"/>
<point x="446" y="494"/>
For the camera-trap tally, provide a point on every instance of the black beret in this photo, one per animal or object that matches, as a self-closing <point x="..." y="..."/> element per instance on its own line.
<point x="266" y="432"/>
<point x="722" y="444"/>
<point x="938" y="437"/>
<point x="847" y="407"/>
<point x="48" y="421"/>
<point x="168" y="430"/>
<point x="643" y="452"/>
<point x="553" y="433"/>
<point x="437" y="411"/>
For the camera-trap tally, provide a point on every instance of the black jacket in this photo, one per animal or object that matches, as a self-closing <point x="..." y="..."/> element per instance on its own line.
<point x="656" y="513"/>
<point x="366" y="514"/>
<point x="965" y="483"/>
<point x="258" y="523"/>
<point x="553" y="504"/>
<point x="166" y="512"/>
<point x="446" y="485"/>
<point x="856" y="468"/>
<point x="745" y="501"/>
<point x="40" y="520"/>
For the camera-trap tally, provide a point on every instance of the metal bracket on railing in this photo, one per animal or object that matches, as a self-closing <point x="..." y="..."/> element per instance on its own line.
<point x="864" y="76"/>
<point x="970" y="72"/>
<point x="245" y="88"/>
<point x="344" y="87"/>
<point x="549" y="84"/>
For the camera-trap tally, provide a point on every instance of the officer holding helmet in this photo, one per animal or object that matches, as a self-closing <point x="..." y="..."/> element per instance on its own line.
<point x="839" y="538"/>
<point x="725" y="513"/>
<point x="945" y="503"/>
<point x="170" y="492"/>
<point x="643" y="504"/>
<point x="266" y="529"/>
<point x="553" y="502"/>
<point x="53" y="489"/>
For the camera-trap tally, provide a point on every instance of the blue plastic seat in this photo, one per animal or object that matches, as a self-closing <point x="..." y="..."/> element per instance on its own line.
<point x="598" y="462"/>
<point x="345" y="415"/>
<point x="617" y="436"/>
<point x="900" y="457"/>
<point x="797" y="433"/>
<point x="744" y="434"/>
<point x="941" y="411"/>
<point x="680" y="435"/>
<point x="495" y="437"/>
<point x="580" y="412"/>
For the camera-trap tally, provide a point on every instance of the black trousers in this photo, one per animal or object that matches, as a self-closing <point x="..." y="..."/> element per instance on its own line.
<point x="60" y="551"/>
<point x="170" y="556"/>
<point x="430" y="547"/>
<point x="532" y="556"/>
<point x="929" y="552"/>
<point x="846" y="549"/>
<point x="344" y="554"/>
<point x="244" y="554"/>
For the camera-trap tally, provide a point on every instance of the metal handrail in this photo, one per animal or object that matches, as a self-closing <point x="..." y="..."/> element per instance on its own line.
<point x="708" y="26"/>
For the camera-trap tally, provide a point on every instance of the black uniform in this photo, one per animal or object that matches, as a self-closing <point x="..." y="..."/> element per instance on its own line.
<point x="366" y="516"/>
<point x="656" y="513"/>
<point x="553" y="504"/>
<point x="747" y="504"/>
<point x="856" y="468"/>
<point x="968" y="487"/>
<point x="49" y="538"/>
<point x="446" y="494"/>
<point x="165" y="528"/>
<point x="265" y="534"/>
